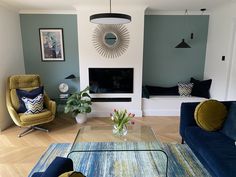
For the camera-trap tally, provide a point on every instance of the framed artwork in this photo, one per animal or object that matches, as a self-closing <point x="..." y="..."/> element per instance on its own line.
<point x="51" y="43"/>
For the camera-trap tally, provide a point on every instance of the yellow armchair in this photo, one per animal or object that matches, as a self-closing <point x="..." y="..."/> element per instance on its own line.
<point x="27" y="82"/>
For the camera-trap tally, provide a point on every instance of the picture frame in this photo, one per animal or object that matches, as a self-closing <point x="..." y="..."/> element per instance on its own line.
<point x="51" y="44"/>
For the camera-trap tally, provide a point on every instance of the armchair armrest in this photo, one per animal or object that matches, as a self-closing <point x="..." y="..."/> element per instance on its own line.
<point x="187" y="116"/>
<point x="14" y="115"/>
<point x="50" y="105"/>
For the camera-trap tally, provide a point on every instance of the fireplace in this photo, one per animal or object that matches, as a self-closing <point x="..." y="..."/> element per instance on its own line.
<point x="111" y="80"/>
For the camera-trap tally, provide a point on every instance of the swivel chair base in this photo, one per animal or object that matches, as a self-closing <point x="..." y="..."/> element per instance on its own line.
<point x="30" y="129"/>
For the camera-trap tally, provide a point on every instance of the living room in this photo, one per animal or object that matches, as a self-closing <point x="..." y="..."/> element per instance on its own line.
<point x="154" y="66"/>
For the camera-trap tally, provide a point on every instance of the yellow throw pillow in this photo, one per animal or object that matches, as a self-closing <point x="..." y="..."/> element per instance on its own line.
<point x="72" y="174"/>
<point x="210" y="115"/>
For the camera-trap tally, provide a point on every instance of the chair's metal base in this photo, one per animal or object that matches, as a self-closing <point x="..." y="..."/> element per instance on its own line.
<point x="30" y="129"/>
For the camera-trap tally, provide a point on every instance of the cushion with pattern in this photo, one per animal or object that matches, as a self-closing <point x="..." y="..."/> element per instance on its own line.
<point x="185" y="89"/>
<point x="34" y="105"/>
<point x="28" y="94"/>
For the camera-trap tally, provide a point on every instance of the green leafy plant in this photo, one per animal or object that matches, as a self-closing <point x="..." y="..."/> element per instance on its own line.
<point x="79" y="102"/>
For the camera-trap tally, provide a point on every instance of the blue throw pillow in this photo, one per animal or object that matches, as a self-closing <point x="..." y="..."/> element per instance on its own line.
<point x="229" y="128"/>
<point x="28" y="94"/>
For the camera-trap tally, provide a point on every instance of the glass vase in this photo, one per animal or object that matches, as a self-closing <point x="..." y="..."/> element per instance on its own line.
<point x="120" y="130"/>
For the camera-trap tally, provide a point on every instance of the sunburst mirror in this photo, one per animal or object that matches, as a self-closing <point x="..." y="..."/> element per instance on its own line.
<point x="111" y="41"/>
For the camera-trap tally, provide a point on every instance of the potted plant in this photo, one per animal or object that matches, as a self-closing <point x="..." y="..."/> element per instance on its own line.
<point x="79" y="104"/>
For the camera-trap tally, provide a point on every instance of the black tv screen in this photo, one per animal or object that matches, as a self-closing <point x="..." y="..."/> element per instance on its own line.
<point x="111" y="80"/>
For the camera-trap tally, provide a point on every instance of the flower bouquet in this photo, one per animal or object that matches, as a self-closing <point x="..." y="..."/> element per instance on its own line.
<point x="120" y="119"/>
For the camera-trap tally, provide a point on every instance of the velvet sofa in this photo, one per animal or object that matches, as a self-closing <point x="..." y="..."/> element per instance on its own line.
<point x="216" y="151"/>
<point x="58" y="166"/>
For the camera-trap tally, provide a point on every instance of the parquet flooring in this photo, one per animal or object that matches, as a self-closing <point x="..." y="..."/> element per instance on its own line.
<point x="19" y="155"/>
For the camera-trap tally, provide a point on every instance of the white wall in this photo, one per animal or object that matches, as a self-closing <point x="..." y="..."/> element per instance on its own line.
<point x="133" y="57"/>
<point x="11" y="53"/>
<point x="220" y="37"/>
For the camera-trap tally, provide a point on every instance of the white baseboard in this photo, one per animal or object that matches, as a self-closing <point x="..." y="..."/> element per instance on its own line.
<point x="164" y="112"/>
<point x="95" y="113"/>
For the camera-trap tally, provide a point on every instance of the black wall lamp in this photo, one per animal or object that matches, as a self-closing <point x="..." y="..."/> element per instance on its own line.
<point x="72" y="76"/>
<point x="183" y="44"/>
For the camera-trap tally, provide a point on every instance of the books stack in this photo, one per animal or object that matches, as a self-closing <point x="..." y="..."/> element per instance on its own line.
<point x="64" y="95"/>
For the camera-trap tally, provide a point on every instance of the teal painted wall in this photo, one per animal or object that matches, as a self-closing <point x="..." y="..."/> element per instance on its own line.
<point x="164" y="65"/>
<point x="51" y="73"/>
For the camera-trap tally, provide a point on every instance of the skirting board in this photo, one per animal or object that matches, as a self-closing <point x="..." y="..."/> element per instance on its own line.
<point x="164" y="112"/>
<point x="94" y="113"/>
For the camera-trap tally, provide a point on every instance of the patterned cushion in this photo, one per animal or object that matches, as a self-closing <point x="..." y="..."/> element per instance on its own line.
<point x="28" y="93"/>
<point x="185" y="89"/>
<point x="34" y="105"/>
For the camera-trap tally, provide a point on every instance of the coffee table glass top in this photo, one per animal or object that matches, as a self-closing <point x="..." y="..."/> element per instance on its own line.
<point x="137" y="138"/>
<point x="95" y="147"/>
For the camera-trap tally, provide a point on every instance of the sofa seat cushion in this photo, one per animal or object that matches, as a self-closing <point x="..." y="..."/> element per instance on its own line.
<point x="34" y="118"/>
<point x="217" y="150"/>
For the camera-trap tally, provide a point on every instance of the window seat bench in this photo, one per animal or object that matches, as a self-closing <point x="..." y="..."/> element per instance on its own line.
<point x="165" y="105"/>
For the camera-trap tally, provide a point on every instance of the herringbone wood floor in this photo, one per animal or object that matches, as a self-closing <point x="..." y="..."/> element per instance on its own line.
<point x="19" y="155"/>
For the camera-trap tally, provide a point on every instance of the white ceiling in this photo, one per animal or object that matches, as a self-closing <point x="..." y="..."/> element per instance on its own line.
<point x="162" y="5"/>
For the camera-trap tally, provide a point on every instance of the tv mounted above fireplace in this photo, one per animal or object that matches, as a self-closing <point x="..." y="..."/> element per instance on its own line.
<point x="111" y="80"/>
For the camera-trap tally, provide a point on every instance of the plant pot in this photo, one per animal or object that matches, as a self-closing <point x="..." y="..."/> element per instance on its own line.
<point x="81" y="118"/>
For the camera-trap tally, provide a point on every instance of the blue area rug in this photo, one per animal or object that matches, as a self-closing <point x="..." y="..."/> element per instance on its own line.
<point x="182" y="162"/>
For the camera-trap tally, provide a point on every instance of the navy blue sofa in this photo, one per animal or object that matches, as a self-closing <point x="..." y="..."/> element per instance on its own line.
<point x="58" y="166"/>
<point x="216" y="151"/>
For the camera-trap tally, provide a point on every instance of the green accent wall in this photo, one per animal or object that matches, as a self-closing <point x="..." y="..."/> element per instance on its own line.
<point x="165" y="65"/>
<point x="51" y="73"/>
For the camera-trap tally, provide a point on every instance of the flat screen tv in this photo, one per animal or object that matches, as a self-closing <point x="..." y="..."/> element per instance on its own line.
<point x="111" y="80"/>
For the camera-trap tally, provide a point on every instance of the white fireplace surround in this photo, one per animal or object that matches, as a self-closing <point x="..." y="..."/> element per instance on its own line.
<point x="132" y="58"/>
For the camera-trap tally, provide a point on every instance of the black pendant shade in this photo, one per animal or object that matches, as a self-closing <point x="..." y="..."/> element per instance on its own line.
<point x="110" y="18"/>
<point x="183" y="44"/>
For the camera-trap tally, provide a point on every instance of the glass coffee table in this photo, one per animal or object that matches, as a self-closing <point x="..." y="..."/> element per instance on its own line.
<point x="97" y="152"/>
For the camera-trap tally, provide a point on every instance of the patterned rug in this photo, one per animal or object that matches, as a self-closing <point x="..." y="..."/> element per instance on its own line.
<point x="182" y="162"/>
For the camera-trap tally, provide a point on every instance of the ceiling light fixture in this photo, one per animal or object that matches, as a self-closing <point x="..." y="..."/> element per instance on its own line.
<point x="183" y="44"/>
<point x="110" y="18"/>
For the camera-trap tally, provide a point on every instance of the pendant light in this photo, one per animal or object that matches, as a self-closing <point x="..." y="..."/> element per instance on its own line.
<point x="183" y="44"/>
<point x="110" y="18"/>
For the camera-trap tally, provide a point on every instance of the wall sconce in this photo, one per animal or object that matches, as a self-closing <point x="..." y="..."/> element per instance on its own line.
<point x="183" y="44"/>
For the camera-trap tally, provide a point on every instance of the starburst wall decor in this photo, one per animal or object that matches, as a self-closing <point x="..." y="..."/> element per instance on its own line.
<point x="111" y="41"/>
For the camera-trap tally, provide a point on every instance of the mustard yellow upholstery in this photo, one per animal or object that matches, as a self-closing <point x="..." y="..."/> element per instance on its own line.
<point x="210" y="115"/>
<point x="27" y="82"/>
<point x="72" y="174"/>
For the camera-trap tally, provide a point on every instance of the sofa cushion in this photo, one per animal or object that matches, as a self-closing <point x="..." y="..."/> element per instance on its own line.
<point x="201" y="88"/>
<point x="35" y="118"/>
<point x="72" y="174"/>
<point x="185" y="89"/>
<point x="210" y="115"/>
<point x="34" y="105"/>
<point x="28" y="94"/>
<point x="229" y="128"/>
<point x="216" y="149"/>
<point x="156" y="90"/>
<point x="145" y="92"/>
